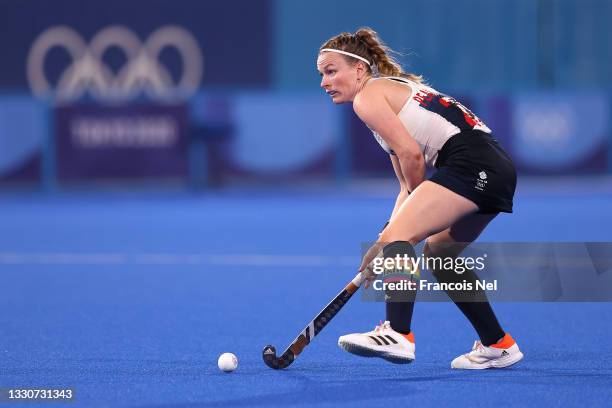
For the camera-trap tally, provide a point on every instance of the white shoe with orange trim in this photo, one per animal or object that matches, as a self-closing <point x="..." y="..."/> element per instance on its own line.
<point x="502" y="354"/>
<point x="383" y="342"/>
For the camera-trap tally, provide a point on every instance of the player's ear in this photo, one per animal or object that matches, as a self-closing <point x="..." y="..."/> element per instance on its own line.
<point x="361" y="70"/>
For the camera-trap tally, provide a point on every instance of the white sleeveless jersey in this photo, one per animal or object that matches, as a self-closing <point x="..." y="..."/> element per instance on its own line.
<point x="432" y="118"/>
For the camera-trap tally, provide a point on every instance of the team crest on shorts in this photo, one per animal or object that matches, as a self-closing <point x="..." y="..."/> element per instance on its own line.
<point x="482" y="181"/>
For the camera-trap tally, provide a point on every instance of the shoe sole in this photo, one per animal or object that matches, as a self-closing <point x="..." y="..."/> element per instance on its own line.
<point x="367" y="352"/>
<point x="497" y="363"/>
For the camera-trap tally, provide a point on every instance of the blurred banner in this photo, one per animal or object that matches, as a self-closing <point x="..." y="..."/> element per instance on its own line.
<point x="23" y="126"/>
<point x="561" y="133"/>
<point x="272" y="136"/>
<point x="135" y="141"/>
<point x="269" y="137"/>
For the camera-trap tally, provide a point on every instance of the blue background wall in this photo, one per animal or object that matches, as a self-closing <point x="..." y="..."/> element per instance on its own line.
<point x="538" y="72"/>
<point x="461" y="45"/>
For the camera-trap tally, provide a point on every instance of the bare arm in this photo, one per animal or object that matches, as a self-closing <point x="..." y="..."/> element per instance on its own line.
<point x="403" y="193"/>
<point x="372" y="107"/>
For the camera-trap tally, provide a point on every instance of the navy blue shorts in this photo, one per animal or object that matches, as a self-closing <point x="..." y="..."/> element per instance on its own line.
<point x="473" y="165"/>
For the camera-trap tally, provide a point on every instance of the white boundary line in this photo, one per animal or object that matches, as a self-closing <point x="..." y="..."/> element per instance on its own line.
<point x="153" y="258"/>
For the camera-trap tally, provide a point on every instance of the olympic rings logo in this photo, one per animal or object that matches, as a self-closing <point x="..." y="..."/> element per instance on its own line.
<point x="143" y="71"/>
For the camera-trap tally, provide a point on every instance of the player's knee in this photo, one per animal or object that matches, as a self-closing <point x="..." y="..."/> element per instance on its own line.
<point x="399" y="248"/>
<point x="411" y="238"/>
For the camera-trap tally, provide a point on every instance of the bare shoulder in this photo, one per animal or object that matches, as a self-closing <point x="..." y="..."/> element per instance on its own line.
<point x="382" y="90"/>
<point x="372" y="93"/>
<point x="375" y="86"/>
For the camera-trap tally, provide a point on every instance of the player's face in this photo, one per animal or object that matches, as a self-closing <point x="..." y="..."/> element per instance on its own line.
<point x="338" y="77"/>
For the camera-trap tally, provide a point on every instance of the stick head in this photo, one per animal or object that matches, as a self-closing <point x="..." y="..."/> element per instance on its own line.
<point x="269" y="357"/>
<point x="272" y="361"/>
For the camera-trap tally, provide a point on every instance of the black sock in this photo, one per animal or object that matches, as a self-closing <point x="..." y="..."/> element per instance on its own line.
<point x="399" y="303"/>
<point x="474" y="305"/>
<point x="399" y="314"/>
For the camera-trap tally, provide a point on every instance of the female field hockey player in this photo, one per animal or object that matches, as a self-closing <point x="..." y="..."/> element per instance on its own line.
<point x="474" y="181"/>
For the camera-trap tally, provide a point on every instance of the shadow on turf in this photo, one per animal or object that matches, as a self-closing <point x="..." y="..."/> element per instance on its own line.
<point x="315" y="386"/>
<point x="312" y="390"/>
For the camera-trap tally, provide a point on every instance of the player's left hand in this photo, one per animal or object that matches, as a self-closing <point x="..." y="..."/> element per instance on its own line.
<point x="366" y="267"/>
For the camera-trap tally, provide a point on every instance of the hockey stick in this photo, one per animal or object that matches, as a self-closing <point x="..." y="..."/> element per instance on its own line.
<point x="313" y="328"/>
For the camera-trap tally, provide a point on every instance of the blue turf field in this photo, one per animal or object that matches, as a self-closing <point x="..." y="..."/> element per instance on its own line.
<point x="130" y="299"/>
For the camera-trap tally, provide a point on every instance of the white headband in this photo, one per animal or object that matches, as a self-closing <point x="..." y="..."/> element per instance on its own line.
<point x="350" y="54"/>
